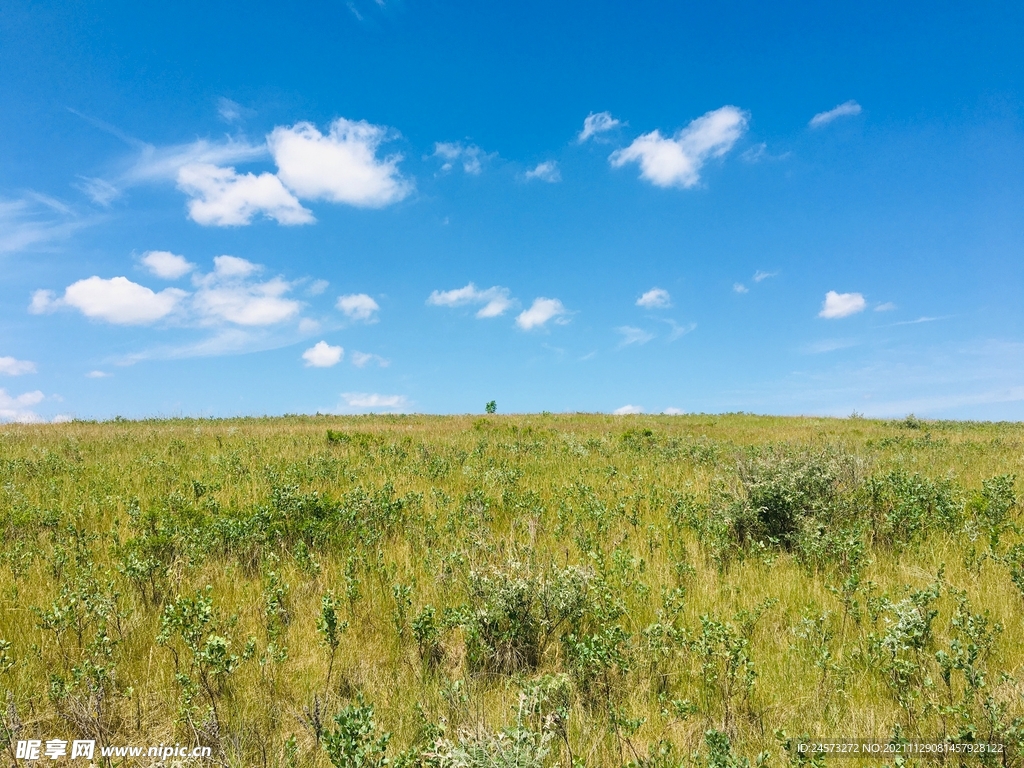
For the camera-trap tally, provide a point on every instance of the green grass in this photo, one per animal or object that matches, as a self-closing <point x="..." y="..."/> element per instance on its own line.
<point x="650" y="591"/>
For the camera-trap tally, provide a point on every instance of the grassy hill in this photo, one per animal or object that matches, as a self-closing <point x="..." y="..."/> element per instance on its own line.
<point x="511" y="590"/>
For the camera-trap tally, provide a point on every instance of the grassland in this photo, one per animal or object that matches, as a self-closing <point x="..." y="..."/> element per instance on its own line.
<point x="511" y="590"/>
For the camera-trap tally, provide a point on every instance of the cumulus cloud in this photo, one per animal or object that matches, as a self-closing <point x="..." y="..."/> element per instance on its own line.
<point x="540" y="312"/>
<point x="167" y="265"/>
<point x="631" y="335"/>
<point x="341" y="167"/>
<point x="596" y="123"/>
<point x="740" y="288"/>
<point x="322" y="355"/>
<point x="886" y="307"/>
<point x="371" y="401"/>
<point x="19" y="408"/>
<point x="362" y="359"/>
<point x="628" y="410"/>
<point x="656" y="298"/>
<point x="97" y="375"/>
<point x="10" y="366"/>
<point x="838" y="305"/>
<point x="224" y="198"/>
<point x="358" y="306"/>
<point x="471" y="157"/>
<point x="547" y="171"/>
<point x="495" y="300"/>
<point x="674" y="412"/>
<point x="846" y="109"/>
<point x="676" y="161"/>
<point x="227" y="294"/>
<point x="117" y="300"/>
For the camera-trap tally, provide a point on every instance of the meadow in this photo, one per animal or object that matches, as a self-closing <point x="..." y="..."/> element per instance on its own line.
<point x="499" y="591"/>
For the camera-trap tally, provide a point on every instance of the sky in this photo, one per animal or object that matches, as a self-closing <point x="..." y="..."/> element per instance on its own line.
<point x="422" y="206"/>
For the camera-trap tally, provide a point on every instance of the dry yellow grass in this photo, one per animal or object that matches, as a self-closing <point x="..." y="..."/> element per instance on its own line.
<point x="477" y="493"/>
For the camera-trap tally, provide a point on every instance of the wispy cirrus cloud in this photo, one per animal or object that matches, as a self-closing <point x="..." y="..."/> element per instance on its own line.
<point x="676" y="161"/>
<point x="495" y="300"/>
<point x="846" y="109"/>
<point x="35" y="222"/>
<point x="632" y="335"/>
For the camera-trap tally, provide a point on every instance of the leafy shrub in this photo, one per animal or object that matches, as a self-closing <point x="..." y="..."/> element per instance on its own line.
<point x="514" y="612"/>
<point x="356" y="742"/>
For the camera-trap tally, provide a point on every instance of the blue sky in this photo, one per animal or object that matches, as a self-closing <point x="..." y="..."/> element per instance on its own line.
<point x="390" y="205"/>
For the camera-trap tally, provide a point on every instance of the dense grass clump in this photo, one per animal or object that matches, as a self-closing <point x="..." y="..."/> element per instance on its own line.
<point x="526" y="591"/>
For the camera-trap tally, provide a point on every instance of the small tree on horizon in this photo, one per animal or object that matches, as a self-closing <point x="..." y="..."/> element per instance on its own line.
<point x="491" y="407"/>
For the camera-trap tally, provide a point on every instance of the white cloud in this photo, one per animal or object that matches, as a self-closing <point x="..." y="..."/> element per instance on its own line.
<point x="341" y="167"/>
<point x="838" y="305"/>
<point x="759" y="275"/>
<point x="676" y="161"/>
<point x="231" y="111"/>
<point x="847" y="108"/>
<point x="100" y="191"/>
<point x="34" y="221"/>
<point x="680" y="330"/>
<point x="117" y="300"/>
<point x="362" y="359"/>
<point x="317" y="287"/>
<point x="495" y="300"/>
<point x="886" y="307"/>
<point x="224" y="198"/>
<point x="628" y="410"/>
<point x="165" y="163"/>
<point x="365" y="400"/>
<point x="167" y="265"/>
<point x="227" y="295"/>
<point x="540" y="312"/>
<point x="322" y="355"/>
<point x="656" y="298"/>
<point x="740" y="288"/>
<point x="233" y="266"/>
<point x="98" y="375"/>
<point x="10" y="366"/>
<point x="631" y="335"/>
<point x="449" y="153"/>
<point x="547" y="171"/>
<point x="596" y="123"/>
<point x="19" y="408"/>
<point x="673" y="412"/>
<point x="358" y="306"/>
